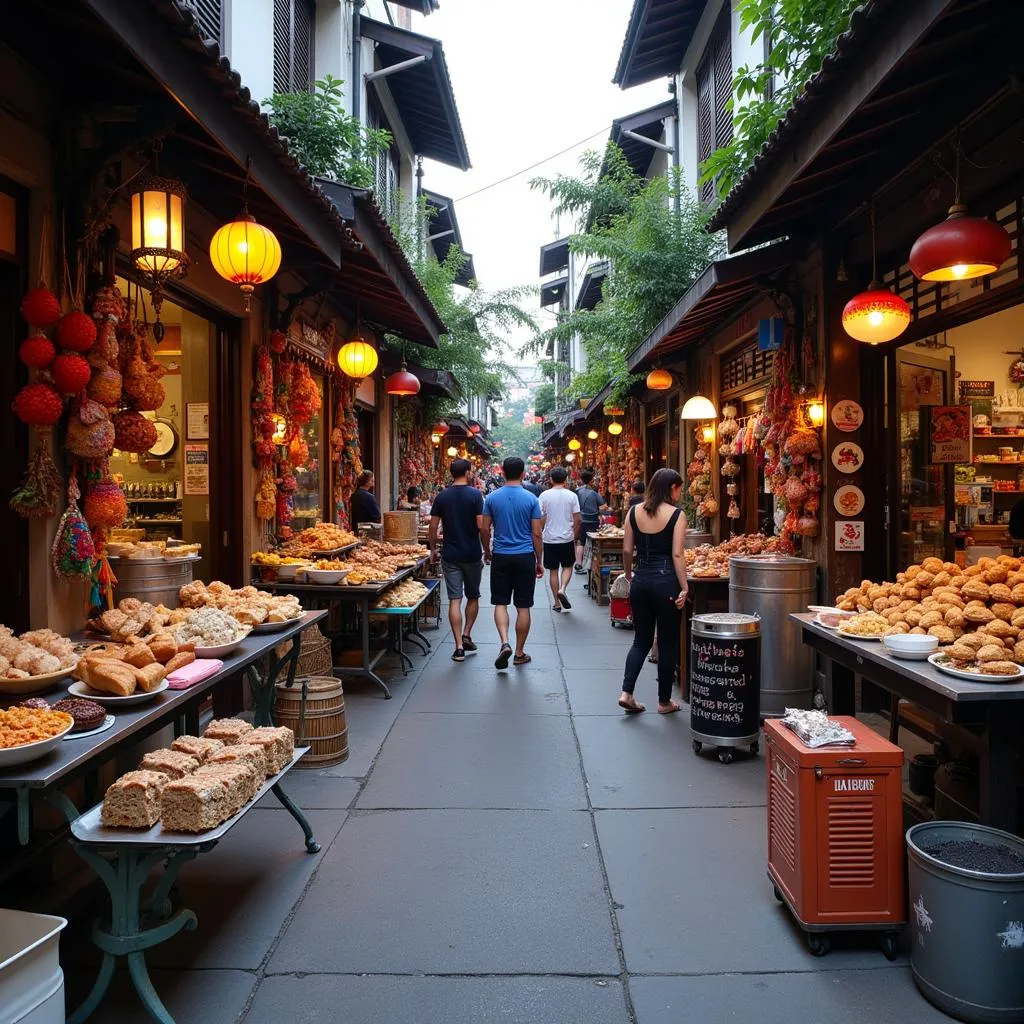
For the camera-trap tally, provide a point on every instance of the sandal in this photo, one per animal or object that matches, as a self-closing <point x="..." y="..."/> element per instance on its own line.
<point x="459" y="654"/>
<point x="670" y="708"/>
<point x="556" y="607"/>
<point x="563" y="600"/>
<point x="521" y="659"/>
<point x="467" y="645"/>
<point x="501" y="661"/>
<point x="632" y="709"/>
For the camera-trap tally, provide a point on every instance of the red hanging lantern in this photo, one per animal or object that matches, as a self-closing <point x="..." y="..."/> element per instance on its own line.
<point x="439" y="428"/>
<point x="875" y="316"/>
<point x="402" y="383"/>
<point x="38" y="405"/>
<point x="77" y="331"/>
<point x="70" y="373"/>
<point x="474" y="428"/>
<point x="960" y="248"/>
<point x="40" y="307"/>
<point x="37" y="351"/>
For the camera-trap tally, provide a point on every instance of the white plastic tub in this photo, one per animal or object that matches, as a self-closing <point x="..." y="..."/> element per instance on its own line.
<point x="31" y="981"/>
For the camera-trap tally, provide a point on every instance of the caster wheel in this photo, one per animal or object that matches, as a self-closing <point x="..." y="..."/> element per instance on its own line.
<point x="778" y="893"/>
<point x="755" y="747"/>
<point x="818" y="944"/>
<point x="697" y="746"/>
<point x="725" y="756"/>
<point x="889" y="945"/>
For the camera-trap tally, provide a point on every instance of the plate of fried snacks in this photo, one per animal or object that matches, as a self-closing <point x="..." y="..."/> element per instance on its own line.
<point x="34" y="661"/>
<point x="868" y="626"/>
<point x="990" y="664"/>
<point x="28" y="733"/>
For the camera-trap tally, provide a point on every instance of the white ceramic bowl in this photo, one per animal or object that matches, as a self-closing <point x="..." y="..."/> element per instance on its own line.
<point x="326" y="576"/>
<point x="287" y="572"/>
<point x="912" y="645"/>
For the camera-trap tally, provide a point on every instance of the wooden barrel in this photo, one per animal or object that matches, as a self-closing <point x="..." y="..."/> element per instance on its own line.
<point x="156" y="580"/>
<point x="321" y="725"/>
<point x="401" y="527"/>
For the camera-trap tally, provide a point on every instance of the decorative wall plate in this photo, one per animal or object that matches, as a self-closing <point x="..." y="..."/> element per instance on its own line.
<point x="166" y="440"/>
<point x="847" y="415"/>
<point x="848" y="500"/>
<point x="848" y="457"/>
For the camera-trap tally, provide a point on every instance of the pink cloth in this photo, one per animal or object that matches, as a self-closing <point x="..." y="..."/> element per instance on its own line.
<point x="194" y="672"/>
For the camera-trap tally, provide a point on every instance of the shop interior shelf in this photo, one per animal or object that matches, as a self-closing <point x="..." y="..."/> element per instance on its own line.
<point x="151" y="501"/>
<point x="166" y="522"/>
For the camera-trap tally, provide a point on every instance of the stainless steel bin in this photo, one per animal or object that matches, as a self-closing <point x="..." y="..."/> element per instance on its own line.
<point x="774" y="586"/>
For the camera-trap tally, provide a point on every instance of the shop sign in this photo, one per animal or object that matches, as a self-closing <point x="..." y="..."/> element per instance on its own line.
<point x="850" y="535"/>
<point x="724" y="685"/>
<point x="977" y="389"/>
<point x="197" y="469"/>
<point x="949" y="433"/>
<point x="306" y="338"/>
<point x="197" y="421"/>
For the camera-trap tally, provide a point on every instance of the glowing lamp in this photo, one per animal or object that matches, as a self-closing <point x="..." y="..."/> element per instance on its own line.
<point x="960" y="248"/>
<point x="440" y="428"/>
<point x="280" y="430"/>
<point x="474" y="428"/>
<point x="158" y="227"/>
<point x="574" y="445"/>
<point x="357" y="359"/>
<point x="453" y="451"/>
<point x="570" y="456"/>
<point x="245" y="253"/>
<point x="875" y="316"/>
<point x="698" y="408"/>
<point x="403" y="383"/>
<point x="707" y="434"/>
<point x="593" y="435"/>
<point x="659" y="379"/>
<point x="816" y="414"/>
<point x="615" y="428"/>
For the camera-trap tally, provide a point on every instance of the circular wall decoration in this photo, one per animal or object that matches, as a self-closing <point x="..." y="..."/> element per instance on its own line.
<point x="166" y="440"/>
<point x="848" y="457"/>
<point x="847" y="415"/>
<point x="848" y="500"/>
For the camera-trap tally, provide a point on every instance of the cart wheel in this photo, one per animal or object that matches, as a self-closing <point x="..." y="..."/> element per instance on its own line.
<point x="818" y="944"/>
<point x="697" y="746"/>
<point x="755" y="747"/>
<point x="778" y="893"/>
<point x="889" y="945"/>
<point x="725" y="756"/>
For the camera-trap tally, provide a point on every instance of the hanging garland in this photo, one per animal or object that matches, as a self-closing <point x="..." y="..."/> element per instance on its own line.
<point x="345" y="454"/>
<point x="728" y="430"/>
<point x="698" y="472"/>
<point x="262" y="419"/>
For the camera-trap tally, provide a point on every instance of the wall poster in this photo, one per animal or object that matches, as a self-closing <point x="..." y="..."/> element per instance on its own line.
<point x="949" y="433"/>
<point x="197" y="469"/>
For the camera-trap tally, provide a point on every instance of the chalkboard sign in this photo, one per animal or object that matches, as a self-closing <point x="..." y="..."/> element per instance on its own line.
<point x="725" y="682"/>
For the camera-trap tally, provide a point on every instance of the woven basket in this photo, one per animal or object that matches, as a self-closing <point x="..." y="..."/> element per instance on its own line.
<point x="314" y="709"/>
<point x="401" y="527"/>
<point x="315" y="657"/>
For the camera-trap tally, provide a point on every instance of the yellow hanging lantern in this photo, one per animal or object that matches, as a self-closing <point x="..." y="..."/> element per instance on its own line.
<point x="659" y="379"/>
<point x="357" y="358"/>
<point x="245" y="253"/>
<point x="615" y="427"/>
<point x="593" y="435"/>
<point x="574" y="445"/>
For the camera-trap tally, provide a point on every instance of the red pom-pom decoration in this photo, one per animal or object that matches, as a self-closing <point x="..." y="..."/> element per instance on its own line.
<point x="40" y="307"/>
<point x="105" y="506"/>
<point x="77" y="331"/>
<point x="37" y="351"/>
<point x="278" y="341"/>
<point x="70" y="373"/>
<point x="38" y="405"/>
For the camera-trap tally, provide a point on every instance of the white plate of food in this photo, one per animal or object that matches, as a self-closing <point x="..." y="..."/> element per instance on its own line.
<point x="273" y="627"/>
<point x="108" y="723"/>
<point x="327" y="577"/>
<point x="830" y="618"/>
<point x="943" y="663"/>
<point x="220" y="650"/>
<point x="80" y="689"/>
<point x="33" y="684"/>
<point x="866" y="626"/>
<point x="21" y="754"/>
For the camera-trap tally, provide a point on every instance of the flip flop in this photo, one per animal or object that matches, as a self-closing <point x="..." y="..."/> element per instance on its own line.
<point x="672" y="708"/>
<point x="521" y="659"/>
<point x="631" y="709"/>
<point x="556" y="608"/>
<point x="501" y="662"/>
<point x="563" y="600"/>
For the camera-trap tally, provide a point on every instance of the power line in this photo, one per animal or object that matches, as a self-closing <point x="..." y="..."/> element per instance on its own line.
<point x="561" y="152"/>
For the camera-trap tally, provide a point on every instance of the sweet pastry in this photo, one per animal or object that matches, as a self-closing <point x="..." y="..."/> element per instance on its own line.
<point x="244" y="753"/>
<point x="227" y="730"/>
<point x="239" y="780"/>
<point x="172" y="763"/>
<point x="35" y="702"/>
<point x="133" y="801"/>
<point x="106" y="675"/>
<point x="150" y="677"/>
<point x="139" y="655"/>
<point x="163" y="647"/>
<point x="193" y="804"/>
<point x="180" y="661"/>
<point x="86" y="713"/>
<point x="199" y="747"/>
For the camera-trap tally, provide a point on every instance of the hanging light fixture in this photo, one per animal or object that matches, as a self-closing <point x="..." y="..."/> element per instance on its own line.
<point x="707" y="433"/>
<point x="961" y="247"/>
<point x="440" y="428"/>
<point x="453" y="451"/>
<point x="615" y="428"/>
<point x="158" y="236"/>
<point x="816" y="413"/>
<point x="244" y="252"/>
<point x="593" y="435"/>
<point x="435" y="439"/>
<point x="659" y="379"/>
<point x="574" y="445"/>
<point x="474" y="428"/>
<point x="698" y="407"/>
<point x="357" y="358"/>
<point x="570" y="456"/>
<point x="875" y="315"/>
<point x="402" y="383"/>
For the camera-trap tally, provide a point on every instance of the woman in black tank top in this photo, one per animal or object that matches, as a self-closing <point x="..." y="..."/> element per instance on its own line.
<point x="655" y="564"/>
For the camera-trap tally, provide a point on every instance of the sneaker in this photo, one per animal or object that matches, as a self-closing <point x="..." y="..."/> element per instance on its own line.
<point x="458" y="654"/>
<point x="563" y="600"/>
<point x="468" y="646"/>
<point x="501" y="662"/>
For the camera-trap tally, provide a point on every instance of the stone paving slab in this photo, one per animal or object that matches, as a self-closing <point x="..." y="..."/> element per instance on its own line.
<point x="316" y="789"/>
<point x="605" y="660"/>
<point x="370" y="717"/>
<point x="824" y="997"/>
<point x="456" y="892"/>
<point x="696" y="897"/>
<point x="457" y="760"/>
<point x="427" y="1000"/>
<point x="465" y="688"/>
<point x="654" y="764"/>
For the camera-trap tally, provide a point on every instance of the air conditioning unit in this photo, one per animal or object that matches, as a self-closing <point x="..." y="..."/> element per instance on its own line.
<point x="835" y="833"/>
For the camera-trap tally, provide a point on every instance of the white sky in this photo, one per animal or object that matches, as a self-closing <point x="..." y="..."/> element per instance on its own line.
<point x="531" y="77"/>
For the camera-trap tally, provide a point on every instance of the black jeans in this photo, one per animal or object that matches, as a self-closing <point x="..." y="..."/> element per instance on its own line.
<point x="652" y="597"/>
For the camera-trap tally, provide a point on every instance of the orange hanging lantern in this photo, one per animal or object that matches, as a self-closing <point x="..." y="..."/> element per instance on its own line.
<point x="245" y="253"/>
<point x="357" y="358"/>
<point x="659" y="379"/>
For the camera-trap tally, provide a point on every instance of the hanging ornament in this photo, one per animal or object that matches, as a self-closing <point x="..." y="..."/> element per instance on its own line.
<point x="105" y="505"/>
<point x="37" y="351"/>
<point x="1017" y="371"/>
<point x="40" y="491"/>
<point x="133" y="432"/>
<point x="90" y="433"/>
<point x="76" y="331"/>
<point x="278" y="341"/>
<point x="73" y="551"/>
<point x="105" y="387"/>
<point x="38" y="405"/>
<point x="40" y="307"/>
<point x="70" y="373"/>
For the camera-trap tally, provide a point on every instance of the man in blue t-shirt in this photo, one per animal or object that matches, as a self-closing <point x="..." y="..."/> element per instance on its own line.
<point x="512" y="517"/>
<point x="458" y="510"/>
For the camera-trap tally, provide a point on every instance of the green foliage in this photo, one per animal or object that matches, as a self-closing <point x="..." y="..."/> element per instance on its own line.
<point x="478" y="322"/>
<point x="652" y="234"/>
<point x="322" y="136"/>
<point x="800" y="34"/>
<point x="514" y="437"/>
<point x="544" y="401"/>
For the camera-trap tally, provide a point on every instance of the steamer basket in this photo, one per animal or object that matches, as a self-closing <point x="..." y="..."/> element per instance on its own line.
<point x="401" y="527"/>
<point x="314" y="709"/>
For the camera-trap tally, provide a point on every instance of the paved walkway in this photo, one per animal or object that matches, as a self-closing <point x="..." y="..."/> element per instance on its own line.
<point x="511" y="847"/>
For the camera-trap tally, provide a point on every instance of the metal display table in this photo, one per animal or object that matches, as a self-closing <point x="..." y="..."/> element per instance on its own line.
<point x="402" y="630"/>
<point x="361" y="597"/>
<point x="123" y="860"/>
<point x="73" y="758"/>
<point x="997" y="709"/>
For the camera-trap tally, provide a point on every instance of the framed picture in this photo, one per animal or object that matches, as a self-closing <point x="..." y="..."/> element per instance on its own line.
<point x="850" y="535"/>
<point x="949" y="433"/>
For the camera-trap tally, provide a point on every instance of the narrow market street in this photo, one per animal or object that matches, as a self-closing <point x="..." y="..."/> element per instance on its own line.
<point x="509" y="847"/>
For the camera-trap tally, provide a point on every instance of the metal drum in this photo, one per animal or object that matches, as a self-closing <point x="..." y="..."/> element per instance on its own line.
<point x="156" y="580"/>
<point x="725" y="668"/>
<point x="694" y="538"/>
<point x="774" y="586"/>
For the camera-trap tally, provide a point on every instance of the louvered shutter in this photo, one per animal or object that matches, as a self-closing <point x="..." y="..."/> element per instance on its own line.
<point x="705" y="120"/>
<point x="723" y="80"/>
<point x="209" y="16"/>
<point x="282" y="46"/>
<point x="294" y="22"/>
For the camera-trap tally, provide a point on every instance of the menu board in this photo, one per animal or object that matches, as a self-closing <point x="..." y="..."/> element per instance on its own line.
<point x="725" y="682"/>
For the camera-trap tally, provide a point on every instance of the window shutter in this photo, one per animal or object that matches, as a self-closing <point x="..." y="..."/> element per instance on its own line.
<point x="723" y="81"/>
<point x="209" y="17"/>
<point x="282" y="46"/>
<point x="705" y="121"/>
<point x="294" y="22"/>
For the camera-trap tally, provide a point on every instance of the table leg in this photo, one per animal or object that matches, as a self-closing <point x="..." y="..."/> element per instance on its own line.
<point x="418" y="639"/>
<point x="998" y="783"/>
<point x="312" y="846"/>
<point x="365" y="633"/>
<point x="842" y="684"/>
<point x="264" y="687"/>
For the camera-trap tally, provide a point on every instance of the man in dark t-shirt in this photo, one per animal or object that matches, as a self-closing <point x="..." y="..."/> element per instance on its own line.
<point x="458" y="510"/>
<point x="364" y="503"/>
<point x="591" y="506"/>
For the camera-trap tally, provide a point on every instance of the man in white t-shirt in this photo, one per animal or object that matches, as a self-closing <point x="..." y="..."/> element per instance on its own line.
<point x="560" y="514"/>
